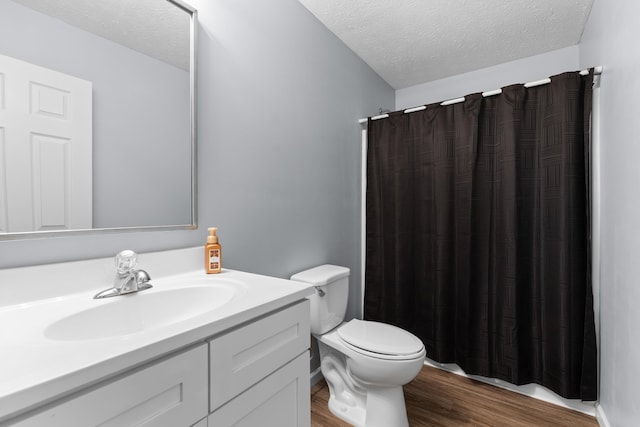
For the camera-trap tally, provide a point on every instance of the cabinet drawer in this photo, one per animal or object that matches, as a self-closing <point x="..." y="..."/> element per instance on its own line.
<point x="245" y="355"/>
<point x="282" y="399"/>
<point x="170" y="393"/>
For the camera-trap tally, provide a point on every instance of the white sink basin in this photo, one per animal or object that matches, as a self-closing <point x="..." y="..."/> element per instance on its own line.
<point x="138" y="312"/>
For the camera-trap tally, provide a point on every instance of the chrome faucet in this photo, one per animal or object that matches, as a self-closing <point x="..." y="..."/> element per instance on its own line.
<point x="128" y="279"/>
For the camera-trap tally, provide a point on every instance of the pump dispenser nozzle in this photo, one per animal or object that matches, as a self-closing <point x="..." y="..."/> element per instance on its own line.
<point x="213" y="236"/>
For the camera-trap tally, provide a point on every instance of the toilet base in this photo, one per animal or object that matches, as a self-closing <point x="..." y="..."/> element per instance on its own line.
<point x="346" y="400"/>
<point x="352" y="414"/>
<point x="363" y="405"/>
<point x="384" y="407"/>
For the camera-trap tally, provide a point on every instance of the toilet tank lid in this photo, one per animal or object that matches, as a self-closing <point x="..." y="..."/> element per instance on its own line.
<point x="321" y="275"/>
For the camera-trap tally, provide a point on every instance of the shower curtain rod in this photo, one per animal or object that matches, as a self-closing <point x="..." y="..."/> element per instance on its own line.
<point x="596" y="71"/>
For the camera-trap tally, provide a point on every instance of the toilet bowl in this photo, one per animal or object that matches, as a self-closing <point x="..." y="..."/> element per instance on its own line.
<point x="364" y="363"/>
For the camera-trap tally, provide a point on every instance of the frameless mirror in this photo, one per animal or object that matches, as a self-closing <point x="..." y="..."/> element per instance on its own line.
<point x="97" y="116"/>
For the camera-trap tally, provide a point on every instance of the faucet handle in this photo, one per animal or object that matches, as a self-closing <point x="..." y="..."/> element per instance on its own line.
<point x="142" y="280"/>
<point x="142" y="277"/>
<point x="126" y="261"/>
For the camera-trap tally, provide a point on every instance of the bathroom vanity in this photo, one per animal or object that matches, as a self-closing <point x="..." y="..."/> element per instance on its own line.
<point x="194" y="350"/>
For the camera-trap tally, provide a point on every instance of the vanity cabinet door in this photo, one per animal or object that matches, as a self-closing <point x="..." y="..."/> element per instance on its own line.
<point x="281" y="399"/>
<point x="169" y="393"/>
<point x="246" y="355"/>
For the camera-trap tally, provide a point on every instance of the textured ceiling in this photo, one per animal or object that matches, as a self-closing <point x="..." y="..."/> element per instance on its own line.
<point x="408" y="42"/>
<point x="156" y="28"/>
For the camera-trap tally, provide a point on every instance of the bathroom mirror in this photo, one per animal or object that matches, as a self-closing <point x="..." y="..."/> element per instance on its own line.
<point x="97" y="116"/>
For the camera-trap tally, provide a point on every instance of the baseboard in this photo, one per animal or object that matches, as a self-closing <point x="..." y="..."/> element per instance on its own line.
<point x="532" y="390"/>
<point x="315" y="377"/>
<point x="601" y="417"/>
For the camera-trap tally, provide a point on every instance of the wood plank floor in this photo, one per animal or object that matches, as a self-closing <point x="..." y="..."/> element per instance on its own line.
<point x="439" y="398"/>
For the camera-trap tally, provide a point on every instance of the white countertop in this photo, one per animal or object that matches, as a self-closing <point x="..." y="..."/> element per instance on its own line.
<point x="35" y="368"/>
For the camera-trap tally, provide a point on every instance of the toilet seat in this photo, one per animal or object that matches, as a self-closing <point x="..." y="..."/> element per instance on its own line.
<point x="380" y="340"/>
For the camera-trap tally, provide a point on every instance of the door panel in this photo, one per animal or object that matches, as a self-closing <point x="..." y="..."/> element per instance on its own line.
<point x="46" y="161"/>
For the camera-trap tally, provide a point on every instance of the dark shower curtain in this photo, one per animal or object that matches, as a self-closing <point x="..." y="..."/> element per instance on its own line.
<point x="478" y="233"/>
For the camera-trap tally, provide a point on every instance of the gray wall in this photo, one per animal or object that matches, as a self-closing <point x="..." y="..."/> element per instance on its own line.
<point x="133" y="125"/>
<point x="611" y="39"/>
<point x="519" y="71"/>
<point x="279" y="100"/>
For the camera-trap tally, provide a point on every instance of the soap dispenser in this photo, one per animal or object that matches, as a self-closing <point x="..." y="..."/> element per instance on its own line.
<point x="213" y="253"/>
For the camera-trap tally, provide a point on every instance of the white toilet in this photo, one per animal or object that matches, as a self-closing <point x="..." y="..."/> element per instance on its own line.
<point x="364" y="363"/>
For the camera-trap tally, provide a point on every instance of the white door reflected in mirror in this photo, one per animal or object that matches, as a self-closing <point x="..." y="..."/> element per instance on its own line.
<point x="45" y="149"/>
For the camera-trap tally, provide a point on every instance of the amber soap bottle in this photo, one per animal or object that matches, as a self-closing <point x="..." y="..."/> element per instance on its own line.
<point x="213" y="253"/>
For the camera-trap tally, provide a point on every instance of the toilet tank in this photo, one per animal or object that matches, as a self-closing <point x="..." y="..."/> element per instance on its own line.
<point x="329" y="302"/>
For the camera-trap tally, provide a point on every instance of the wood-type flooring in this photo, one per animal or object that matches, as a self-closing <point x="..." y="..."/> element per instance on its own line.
<point x="439" y="398"/>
